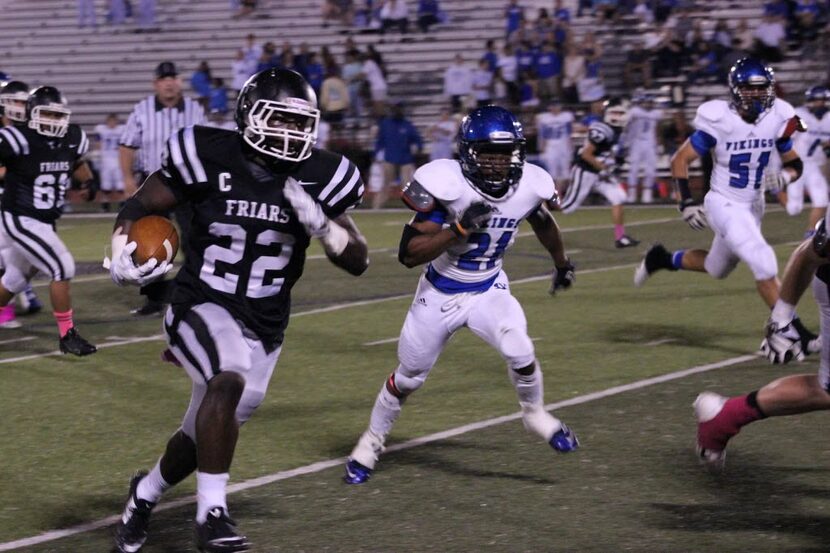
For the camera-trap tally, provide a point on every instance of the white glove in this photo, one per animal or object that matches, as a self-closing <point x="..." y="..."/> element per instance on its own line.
<point x="334" y="237"/>
<point x="124" y="271"/>
<point x="308" y="211"/>
<point x="782" y="344"/>
<point x="775" y="182"/>
<point x="694" y="214"/>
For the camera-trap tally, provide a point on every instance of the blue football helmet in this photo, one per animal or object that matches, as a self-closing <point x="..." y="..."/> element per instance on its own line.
<point x="491" y="147"/>
<point x="752" y="88"/>
<point x="816" y="98"/>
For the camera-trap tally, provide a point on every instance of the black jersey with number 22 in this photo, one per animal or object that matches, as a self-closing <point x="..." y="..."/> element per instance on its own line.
<point x="247" y="248"/>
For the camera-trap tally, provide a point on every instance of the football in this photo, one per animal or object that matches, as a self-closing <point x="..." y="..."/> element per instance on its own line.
<point x="156" y="237"/>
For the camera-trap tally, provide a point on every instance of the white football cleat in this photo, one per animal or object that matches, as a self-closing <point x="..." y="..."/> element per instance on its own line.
<point x="707" y="406"/>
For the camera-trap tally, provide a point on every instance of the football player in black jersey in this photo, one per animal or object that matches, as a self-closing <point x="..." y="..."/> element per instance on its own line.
<point x="595" y="166"/>
<point x="40" y="159"/>
<point x="259" y="194"/>
<point x="13" y="97"/>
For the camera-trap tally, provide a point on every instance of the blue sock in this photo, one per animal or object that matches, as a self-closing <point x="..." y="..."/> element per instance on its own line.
<point x="677" y="259"/>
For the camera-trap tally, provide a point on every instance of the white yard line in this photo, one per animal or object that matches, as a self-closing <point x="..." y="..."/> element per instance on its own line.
<point x="332" y="463"/>
<point x="15" y="340"/>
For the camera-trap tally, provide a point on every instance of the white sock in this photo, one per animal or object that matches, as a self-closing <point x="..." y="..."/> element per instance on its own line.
<point x="210" y="493"/>
<point x="152" y="486"/>
<point x="386" y="411"/>
<point x="528" y="387"/>
<point x="782" y="312"/>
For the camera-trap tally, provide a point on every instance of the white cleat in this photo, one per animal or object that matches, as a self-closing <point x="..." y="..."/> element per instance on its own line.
<point x="641" y="274"/>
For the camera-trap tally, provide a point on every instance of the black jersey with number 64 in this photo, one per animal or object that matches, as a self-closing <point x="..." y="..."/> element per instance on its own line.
<point x="246" y="246"/>
<point x="39" y="170"/>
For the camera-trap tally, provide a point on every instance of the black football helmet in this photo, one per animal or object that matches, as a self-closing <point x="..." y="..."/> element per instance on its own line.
<point x="277" y="114"/>
<point x="13" y="98"/>
<point x="47" y="112"/>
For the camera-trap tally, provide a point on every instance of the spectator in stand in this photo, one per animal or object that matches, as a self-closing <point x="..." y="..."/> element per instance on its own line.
<point x="218" y="96"/>
<point x="367" y="17"/>
<point x="394" y="13"/>
<point x="353" y="75"/>
<point x="377" y="85"/>
<point x="491" y="55"/>
<point x="396" y="138"/>
<point x="482" y="84"/>
<point x="246" y="8"/>
<point x="314" y="73"/>
<point x="744" y="35"/>
<point x="663" y="9"/>
<point x="704" y="63"/>
<point x="543" y="24"/>
<point x="643" y="12"/>
<point x="808" y="18"/>
<point x="513" y="18"/>
<point x="637" y="71"/>
<point x="252" y="50"/>
<point x="525" y="56"/>
<point x="669" y="54"/>
<point x="573" y="72"/>
<point x="529" y="92"/>
<point x="561" y="13"/>
<point x="508" y="67"/>
<point x="241" y="70"/>
<point x="730" y="58"/>
<point x="334" y="98"/>
<point x="146" y="16"/>
<point x="769" y="34"/>
<point x="86" y="14"/>
<point x="200" y="83"/>
<point x="429" y="13"/>
<point x="442" y="136"/>
<point x="299" y="60"/>
<point x="330" y="64"/>
<point x="268" y="58"/>
<point x="777" y="8"/>
<point x="458" y="82"/>
<point x="606" y="11"/>
<point x="372" y="52"/>
<point x="548" y="69"/>
<point x="590" y="86"/>
<point x="561" y="33"/>
<point x="722" y="39"/>
<point x="341" y="11"/>
<point x="117" y="13"/>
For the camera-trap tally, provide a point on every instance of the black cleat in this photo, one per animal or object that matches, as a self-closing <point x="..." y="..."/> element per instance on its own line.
<point x="131" y="531"/>
<point x="657" y="257"/>
<point x="74" y="343"/>
<point x="218" y="534"/>
<point x="148" y="309"/>
<point x="626" y="241"/>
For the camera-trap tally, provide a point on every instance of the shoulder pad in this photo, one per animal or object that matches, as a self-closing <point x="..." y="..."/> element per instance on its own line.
<point x="783" y="108"/>
<point x="438" y="178"/>
<point x="417" y="198"/>
<point x="539" y="181"/>
<point x="331" y="178"/>
<point x="713" y="117"/>
<point x="599" y="132"/>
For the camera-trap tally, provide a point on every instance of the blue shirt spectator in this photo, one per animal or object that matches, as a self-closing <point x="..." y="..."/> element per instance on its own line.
<point x="491" y="56"/>
<point x="525" y="57"/>
<point x="314" y="72"/>
<point x="778" y="8"/>
<point x="560" y="13"/>
<point x="429" y="13"/>
<point x="218" y="99"/>
<point x="548" y="63"/>
<point x="513" y="15"/>
<point x="201" y="80"/>
<point x="396" y="136"/>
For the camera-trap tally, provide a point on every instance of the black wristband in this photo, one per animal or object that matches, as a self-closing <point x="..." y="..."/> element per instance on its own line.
<point x="682" y="186"/>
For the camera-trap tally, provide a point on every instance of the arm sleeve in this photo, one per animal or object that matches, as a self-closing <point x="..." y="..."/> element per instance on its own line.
<point x="438" y="215"/>
<point x="181" y="167"/>
<point x="344" y="190"/>
<point x="83" y="146"/>
<point x="702" y="142"/>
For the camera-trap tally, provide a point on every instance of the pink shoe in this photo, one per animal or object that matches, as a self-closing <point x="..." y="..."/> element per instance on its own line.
<point x="7" y="317"/>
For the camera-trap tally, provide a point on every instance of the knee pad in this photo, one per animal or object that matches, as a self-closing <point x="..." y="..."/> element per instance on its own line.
<point x="251" y="399"/>
<point x="406" y="380"/>
<point x="763" y="262"/>
<point x="13" y="280"/>
<point x="516" y="348"/>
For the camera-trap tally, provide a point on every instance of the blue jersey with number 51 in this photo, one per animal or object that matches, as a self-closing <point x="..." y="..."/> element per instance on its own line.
<point x="741" y="151"/>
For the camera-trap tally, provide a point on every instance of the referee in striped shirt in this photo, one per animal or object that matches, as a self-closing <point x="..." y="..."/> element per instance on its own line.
<point x="152" y="122"/>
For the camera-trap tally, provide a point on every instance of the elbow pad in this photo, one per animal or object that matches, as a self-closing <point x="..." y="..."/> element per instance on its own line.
<point x="796" y="165"/>
<point x="409" y="232"/>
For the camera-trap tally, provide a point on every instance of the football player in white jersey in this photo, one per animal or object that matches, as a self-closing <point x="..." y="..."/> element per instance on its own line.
<point x="595" y="166"/>
<point x="720" y="418"/>
<point x="740" y="136"/>
<point x="810" y="147"/>
<point x="109" y="167"/>
<point x="553" y="129"/>
<point x="641" y="134"/>
<point x="468" y="213"/>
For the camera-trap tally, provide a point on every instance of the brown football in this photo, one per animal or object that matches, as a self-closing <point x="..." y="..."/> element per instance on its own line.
<point x="156" y="237"/>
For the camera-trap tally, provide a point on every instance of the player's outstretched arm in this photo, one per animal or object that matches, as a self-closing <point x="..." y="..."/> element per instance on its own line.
<point x="354" y="259"/>
<point x="548" y="233"/>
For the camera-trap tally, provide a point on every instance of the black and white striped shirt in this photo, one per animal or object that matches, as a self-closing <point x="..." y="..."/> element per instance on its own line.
<point x="151" y="124"/>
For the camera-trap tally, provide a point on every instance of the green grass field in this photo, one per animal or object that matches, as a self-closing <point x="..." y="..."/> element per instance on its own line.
<point x="74" y="430"/>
